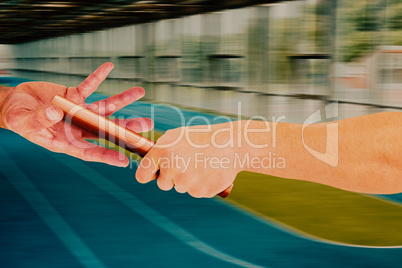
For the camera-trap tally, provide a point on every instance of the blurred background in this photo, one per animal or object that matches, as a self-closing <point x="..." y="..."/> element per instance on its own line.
<point x="278" y="58"/>
<point x="272" y="58"/>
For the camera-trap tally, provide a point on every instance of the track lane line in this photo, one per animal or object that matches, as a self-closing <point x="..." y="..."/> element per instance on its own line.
<point x="48" y="213"/>
<point x="137" y="206"/>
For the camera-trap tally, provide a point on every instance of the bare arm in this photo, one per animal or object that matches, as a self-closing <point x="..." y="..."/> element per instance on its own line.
<point x="361" y="154"/>
<point x="366" y="153"/>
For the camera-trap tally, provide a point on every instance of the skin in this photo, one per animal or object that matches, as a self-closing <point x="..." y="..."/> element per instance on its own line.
<point x="204" y="160"/>
<point x="369" y="158"/>
<point x="27" y="110"/>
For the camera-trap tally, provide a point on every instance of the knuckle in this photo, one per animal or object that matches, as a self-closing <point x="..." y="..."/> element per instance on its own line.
<point x="180" y="188"/>
<point x="168" y="132"/>
<point x="180" y="180"/>
<point x="100" y="108"/>
<point x="95" y="76"/>
<point x="164" y="184"/>
<point x="200" y="191"/>
<point x="162" y="139"/>
<point x="104" y="155"/>
<point x="126" y="98"/>
<point x="195" y="192"/>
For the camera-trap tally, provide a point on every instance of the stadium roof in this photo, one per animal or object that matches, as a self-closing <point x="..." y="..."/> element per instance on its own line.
<point x="28" y="20"/>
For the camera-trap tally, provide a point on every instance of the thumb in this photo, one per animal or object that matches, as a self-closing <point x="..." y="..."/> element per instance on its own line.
<point x="41" y="118"/>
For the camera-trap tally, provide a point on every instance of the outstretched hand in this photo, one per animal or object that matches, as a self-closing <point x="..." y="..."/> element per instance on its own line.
<point x="27" y="110"/>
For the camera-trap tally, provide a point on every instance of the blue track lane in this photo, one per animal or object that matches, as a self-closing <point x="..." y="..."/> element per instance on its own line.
<point x="121" y="223"/>
<point x="121" y="237"/>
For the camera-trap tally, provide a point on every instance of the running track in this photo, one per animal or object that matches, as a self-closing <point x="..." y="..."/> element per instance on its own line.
<point x="57" y="211"/>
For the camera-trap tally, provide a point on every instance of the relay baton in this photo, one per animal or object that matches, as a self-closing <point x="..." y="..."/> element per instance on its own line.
<point x="108" y="129"/>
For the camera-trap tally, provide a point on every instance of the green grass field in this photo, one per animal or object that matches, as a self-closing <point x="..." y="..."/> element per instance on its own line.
<point x="321" y="210"/>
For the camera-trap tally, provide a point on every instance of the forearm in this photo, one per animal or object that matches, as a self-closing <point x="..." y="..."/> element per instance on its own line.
<point x="3" y="95"/>
<point x="363" y="156"/>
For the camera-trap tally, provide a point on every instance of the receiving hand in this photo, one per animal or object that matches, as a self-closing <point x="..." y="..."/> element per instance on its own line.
<point x="27" y="110"/>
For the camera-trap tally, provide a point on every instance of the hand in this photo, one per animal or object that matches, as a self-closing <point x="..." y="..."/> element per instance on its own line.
<point x="200" y="160"/>
<point x="27" y="110"/>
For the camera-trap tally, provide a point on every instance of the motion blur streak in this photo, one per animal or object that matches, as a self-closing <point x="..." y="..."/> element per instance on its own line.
<point x="282" y="226"/>
<point x="48" y="213"/>
<point x="150" y="214"/>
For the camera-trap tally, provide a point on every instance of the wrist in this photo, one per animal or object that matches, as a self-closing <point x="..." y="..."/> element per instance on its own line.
<point x="259" y="145"/>
<point x="4" y="92"/>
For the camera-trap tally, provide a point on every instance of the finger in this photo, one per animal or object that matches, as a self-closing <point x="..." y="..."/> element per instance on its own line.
<point x="180" y="188"/>
<point x="140" y="124"/>
<point x="114" y="103"/>
<point x="148" y="168"/>
<point x="88" y="135"/>
<point x="95" y="153"/>
<point x="93" y="81"/>
<point x="165" y="181"/>
<point x="82" y="149"/>
<point x="180" y="184"/>
<point x="28" y="121"/>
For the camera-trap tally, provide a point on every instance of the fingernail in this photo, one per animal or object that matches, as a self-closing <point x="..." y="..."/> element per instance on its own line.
<point x="110" y="66"/>
<point x="52" y="114"/>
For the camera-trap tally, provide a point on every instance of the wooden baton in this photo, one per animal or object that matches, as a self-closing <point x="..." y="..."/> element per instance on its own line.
<point x="108" y="129"/>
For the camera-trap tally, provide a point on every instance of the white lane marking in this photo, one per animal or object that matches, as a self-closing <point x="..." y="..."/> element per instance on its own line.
<point x="48" y="213"/>
<point x="149" y="213"/>
<point x="289" y="229"/>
